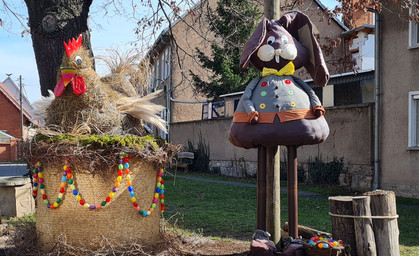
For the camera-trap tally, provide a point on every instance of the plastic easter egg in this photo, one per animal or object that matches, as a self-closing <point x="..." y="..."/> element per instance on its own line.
<point x="60" y="195"/>
<point x="132" y="194"/>
<point x="133" y="199"/>
<point x="320" y="245"/>
<point x="119" y="178"/>
<point x="111" y="194"/>
<point x="325" y="245"/>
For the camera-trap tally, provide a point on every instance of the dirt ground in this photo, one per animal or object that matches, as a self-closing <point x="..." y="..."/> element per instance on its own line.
<point x="20" y="242"/>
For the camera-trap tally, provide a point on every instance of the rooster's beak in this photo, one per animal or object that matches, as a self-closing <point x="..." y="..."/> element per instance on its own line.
<point x="67" y="74"/>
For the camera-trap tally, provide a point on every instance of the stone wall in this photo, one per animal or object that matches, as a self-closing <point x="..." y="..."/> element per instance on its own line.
<point x="351" y="138"/>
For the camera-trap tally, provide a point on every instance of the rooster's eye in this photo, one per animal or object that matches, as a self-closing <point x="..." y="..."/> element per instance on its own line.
<point x="78" y="60"/>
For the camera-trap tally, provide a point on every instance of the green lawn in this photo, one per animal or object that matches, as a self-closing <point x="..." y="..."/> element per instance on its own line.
<point x="223" y="210"/>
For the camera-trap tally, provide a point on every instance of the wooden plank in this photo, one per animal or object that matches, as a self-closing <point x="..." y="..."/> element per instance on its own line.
<point x="386" y="230"/>
<point x="307" y="232"/>
<point x="364" y="234"/>
<point x="273" y="220"/>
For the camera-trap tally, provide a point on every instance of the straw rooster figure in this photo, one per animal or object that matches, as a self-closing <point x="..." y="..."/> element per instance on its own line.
<point x="83" y="104"/>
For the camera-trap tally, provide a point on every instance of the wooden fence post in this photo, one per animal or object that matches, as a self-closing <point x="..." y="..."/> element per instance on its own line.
<point x="364" y="234"/>
<point x="343" y="228"/>
<point x="386" y="230"/>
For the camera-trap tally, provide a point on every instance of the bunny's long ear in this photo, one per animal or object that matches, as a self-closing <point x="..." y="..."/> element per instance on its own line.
<point x="301" y="28"/>
<point x="254" y="43"/>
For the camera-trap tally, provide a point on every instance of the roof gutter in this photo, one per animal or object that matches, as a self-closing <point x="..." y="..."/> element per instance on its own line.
<point x="377" y="128"/>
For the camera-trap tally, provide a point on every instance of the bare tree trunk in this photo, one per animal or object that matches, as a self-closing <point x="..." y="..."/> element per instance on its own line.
<point x="51" y="23"/>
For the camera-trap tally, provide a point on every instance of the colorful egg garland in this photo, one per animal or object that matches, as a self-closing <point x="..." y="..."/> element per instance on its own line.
<point x="123" y="167"/>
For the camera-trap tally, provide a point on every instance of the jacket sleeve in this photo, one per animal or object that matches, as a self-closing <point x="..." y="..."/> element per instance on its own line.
<point x="314" y="100"/>
<point x="248" y="104"/>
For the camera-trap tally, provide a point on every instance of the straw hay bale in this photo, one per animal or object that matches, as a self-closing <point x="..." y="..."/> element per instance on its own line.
<point x="117" y="220"/>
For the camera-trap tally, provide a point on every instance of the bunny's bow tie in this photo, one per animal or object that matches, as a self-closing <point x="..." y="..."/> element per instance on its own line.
<point x="287" y="70"/>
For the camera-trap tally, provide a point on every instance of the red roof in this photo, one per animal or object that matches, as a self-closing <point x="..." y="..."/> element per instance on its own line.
<point x="11" y="91"/>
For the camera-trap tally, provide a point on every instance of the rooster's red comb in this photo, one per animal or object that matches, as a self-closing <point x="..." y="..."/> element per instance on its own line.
<point x="73" y="45"/>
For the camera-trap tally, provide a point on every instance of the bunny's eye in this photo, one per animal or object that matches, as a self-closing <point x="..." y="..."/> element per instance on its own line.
<point x="284" y="39"/>
<point x="270" y="40"/>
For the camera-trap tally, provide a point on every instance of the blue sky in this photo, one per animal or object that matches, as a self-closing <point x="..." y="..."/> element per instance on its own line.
<point x="17" y="56"/>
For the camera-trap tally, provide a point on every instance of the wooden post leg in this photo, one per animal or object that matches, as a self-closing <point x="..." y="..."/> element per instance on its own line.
<point x="261" y="189"/>
<point x="292" y="191"/>
<point x="273" y="209"/>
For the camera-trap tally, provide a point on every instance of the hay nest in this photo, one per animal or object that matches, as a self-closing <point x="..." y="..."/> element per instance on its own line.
<point x="91" y="152"/>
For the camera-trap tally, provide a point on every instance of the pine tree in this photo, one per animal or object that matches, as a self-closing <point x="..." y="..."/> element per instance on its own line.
<point x="233" y="22"/>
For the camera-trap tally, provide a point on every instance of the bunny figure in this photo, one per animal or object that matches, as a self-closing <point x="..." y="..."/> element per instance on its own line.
<point x="278" y="108"/>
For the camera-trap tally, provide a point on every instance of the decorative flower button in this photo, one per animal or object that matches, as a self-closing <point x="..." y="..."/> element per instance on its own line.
<point x="288" y="81"/>
<point x="264" y="84"/>
<point x="262" y="106"/>
<point x="263" y="93"/>
<point x="293" y="104"/>
<point x="291" y="92"/>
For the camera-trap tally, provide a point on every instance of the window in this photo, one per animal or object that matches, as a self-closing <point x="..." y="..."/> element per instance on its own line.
<point x="413" y="119"/>
<point x="414" y="27"/>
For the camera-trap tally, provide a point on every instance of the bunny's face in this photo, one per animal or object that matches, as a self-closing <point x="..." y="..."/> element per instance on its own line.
<point x="277" y="49"/>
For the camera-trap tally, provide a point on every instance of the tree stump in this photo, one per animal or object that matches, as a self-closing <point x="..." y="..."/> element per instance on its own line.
<point x="343" y="227"/>
<point x="365" y="243"/>
<point x="386" y="230"/>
